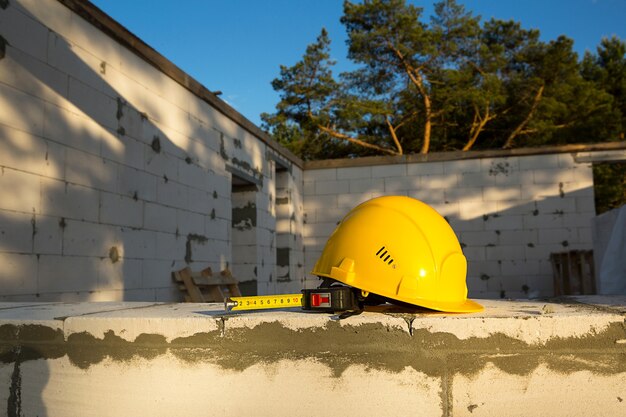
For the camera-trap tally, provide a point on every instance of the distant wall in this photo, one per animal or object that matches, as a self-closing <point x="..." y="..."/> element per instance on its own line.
<point x="113" y="174"/>
<point x="509" y="212"/>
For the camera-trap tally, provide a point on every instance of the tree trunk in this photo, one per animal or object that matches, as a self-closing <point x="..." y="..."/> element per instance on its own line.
<point x="477" y="127"/>
<point x="356" y="141"/>
<point x="509" y="141"/>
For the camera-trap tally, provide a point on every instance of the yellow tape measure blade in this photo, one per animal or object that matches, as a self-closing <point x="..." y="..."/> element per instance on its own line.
<point x="261" y="302"/>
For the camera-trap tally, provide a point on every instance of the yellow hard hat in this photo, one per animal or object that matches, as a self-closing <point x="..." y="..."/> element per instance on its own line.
<point x="402" y="249"/>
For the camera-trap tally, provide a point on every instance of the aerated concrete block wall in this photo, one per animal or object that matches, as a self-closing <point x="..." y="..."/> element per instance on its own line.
<point x="112" y="174"/>
<point x="515" y="359"/>
<point x="508" y="212"/>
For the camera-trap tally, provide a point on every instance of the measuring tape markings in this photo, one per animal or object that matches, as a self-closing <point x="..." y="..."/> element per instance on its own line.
<point x="263" y="301"/>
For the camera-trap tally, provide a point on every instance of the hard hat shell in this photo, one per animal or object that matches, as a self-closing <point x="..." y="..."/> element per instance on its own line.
<point x="400" y="248"/>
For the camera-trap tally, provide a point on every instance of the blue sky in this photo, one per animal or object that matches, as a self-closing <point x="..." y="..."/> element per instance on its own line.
<point x="237" y="46"/>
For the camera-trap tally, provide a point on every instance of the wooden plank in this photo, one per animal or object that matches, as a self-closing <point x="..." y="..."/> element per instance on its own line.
<point x="193" y="291"/>
<point x="203" y="286"/>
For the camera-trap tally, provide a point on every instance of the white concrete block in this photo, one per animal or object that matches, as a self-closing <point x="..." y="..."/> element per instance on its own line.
<point x="538" y="220"/>
<point x="24" y="32"/>
<point x="309" y="188"/>
<point x="19" y="191"/>
<point x="189" y="222"/>
<point x="93" y="104"/>
<point x="330" y="215"/>
<point x="120" y="210"/>
<point x="17" y="231"/>
<point x="172" y="194"/>
<point x="90" y="170"/>
<point x="194" y="176"/>
<point x="68" y="200"/>
<point x="476" y="179"/>
<point x="470" y="225"/>
<point x="584" y="237"/>
<point x="158" y="217"/>
<point x="520" y="268"/>
<point x="139" y="244"/>
<point x="515" y="207"/>
<point x="474" y="209"/>
<point x="322" y="230"/>
<point x="541" y="251"/>
<point x="216" y="228"/>
<point x="170" y="246"/>
<point x="221" y="208"/>
<point x="562" y="235"/>
<point x="532" y="162"/>
<point x="72" y="129"/>
<point x="501" y="222"/>
<point x="135" y="183"/>
<point x="67" y="273"/>
<point x="429" y="195"/>
<point x="77" y="63"/>
<point x="320" y="202"/>
<point x="357" y="186"/>
<point x="498" y="193"/>
<point x="30" y="75"/>
<point x="125" y="150"/>
<point x="161" y="164"/>
<point x="381" y="171"/>
<point x="461" y="194"/>
<point x="536" y="191"/>
<point x="517" y="237"/>
<point x="540" y="391"/>
<point x="349" y="201"/>
<point x="49" y="236"/>
<point x="312" y="175"/>
<point x="18" y="274"/>
<point x="462" y="166"/>
<point x="133" y="121"/>
<point x="553" y="176"/>
<point x="512" y="179"/>
<point x="399" y="185"/>
<point x="583" y="175"/>
<point x="29" y="153"/>
<point x="556" y="205"/>
<point x="91" y="239"/>
<point x="585" y="205"/>
<point x="478" y="238"/>
<point x="439" y="181"/>
<point x="157" y="273"/>
<point x="332" y="187"/>
<point x="500" y="166"/>
<point x="485" y="271"/>
<point x="474" y="253"/>
<point x="425" y="168"/>
<point x="568" y="160"/>
<point x="353" y="173"/>
<point x="124" y="274"/>
<point x="504" y="252"/>
<point x="21" y="111"/>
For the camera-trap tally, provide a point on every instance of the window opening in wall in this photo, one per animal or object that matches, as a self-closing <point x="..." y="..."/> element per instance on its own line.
<point x="244" y="234"/>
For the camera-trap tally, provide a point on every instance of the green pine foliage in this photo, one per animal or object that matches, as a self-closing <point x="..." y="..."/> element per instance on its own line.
<point x="445" y="82"/>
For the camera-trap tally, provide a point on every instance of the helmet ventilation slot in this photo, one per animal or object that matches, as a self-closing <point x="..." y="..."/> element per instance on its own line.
<point x="384" y="255"/>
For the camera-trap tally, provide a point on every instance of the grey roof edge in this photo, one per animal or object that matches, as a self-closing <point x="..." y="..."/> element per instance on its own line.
<point x="461" y="155"/>
<point x="115" y="30"/>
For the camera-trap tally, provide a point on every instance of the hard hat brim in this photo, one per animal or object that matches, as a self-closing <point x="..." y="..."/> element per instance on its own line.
<point x="468" y="306"/>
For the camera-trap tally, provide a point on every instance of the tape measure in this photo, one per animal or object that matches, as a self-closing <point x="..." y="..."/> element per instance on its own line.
<point x="330" y="299"/>
<point x="261" y="302"/>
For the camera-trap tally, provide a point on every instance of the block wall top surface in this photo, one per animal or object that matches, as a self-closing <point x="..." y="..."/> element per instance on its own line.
<point x="528" y="322"/>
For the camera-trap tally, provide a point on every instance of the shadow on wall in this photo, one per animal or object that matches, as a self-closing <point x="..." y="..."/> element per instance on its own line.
<point x="507" y="230"/>
<point x="93" y="206"/>
<point x="509" y="254"/>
